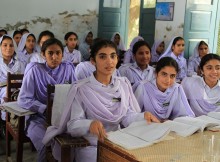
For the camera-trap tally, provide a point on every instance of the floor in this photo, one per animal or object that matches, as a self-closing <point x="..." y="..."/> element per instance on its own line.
<point x="28" y="155"/>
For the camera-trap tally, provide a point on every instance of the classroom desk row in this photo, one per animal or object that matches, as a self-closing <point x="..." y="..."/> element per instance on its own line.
<point x="177" y="148"/>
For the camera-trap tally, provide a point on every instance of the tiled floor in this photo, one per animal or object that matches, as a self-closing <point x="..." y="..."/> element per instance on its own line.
<point x="28" y="155"/>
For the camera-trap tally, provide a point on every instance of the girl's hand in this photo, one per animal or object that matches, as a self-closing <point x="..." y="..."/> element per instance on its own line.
<point x="97" y="128"/>
<point x="150" y="118"/>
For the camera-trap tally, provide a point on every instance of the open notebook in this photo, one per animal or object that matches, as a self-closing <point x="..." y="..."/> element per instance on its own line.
<point x="186" y="126"/>
<point x="139" y="134"/>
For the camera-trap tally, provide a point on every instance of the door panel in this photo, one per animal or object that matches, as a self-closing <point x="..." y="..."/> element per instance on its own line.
<point x="147" y="21"/>
<point x="200" y="24"/>
<point x="113" y="17"/>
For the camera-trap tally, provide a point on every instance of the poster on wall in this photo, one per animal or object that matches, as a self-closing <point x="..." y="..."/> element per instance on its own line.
<point x="164" y="11"/>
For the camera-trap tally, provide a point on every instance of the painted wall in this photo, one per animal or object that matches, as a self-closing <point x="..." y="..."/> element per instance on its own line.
<point x="54" y="15"/>
<point x="166" y="30"/>
<point x="63" y="16"/>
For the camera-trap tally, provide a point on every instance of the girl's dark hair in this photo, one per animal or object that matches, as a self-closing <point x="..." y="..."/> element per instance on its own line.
<point x="166" y="61"/>
<point x="3" y="30"/>
<point x="67" y="35"/>
<point x="203" y="43"/>
<point x="139" y="44"/>
<point x="207" y="58"/>
<point x="16" y="32"/>
<point x="24" y="30"/>
<point x="32" y="36"/>
<point x="45" y="33"/>
<point x="6" y="37"/>
<point x="100" y="44"/>
<point x="176" y="39"/>
<point x="49" y="42"/>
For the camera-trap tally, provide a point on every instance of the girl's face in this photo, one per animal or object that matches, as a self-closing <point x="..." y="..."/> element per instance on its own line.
<point x="7" y="48"/>
<point x="211" y="72"/>
<point x="89" y="38"/>
<point x="105" y="61"/>
<point x="17" y="38"/>
<point x="178" y="48"/>
<point x="142" y="56"/>
<point x="53" y="55"/>
<point x="117" y="39"/>
<point x="71" y="42"/>
<point x="43" y="39"/>
<point x="30" y="42"/>
<point x="160" y="48"/>
<point x="203" y="50"/>
<point x="165" y="78"/>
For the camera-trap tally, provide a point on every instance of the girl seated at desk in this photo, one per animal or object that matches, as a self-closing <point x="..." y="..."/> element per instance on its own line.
<point x="33" y="93"/>
<point x="140" y="69"/>
<point x="203" y="92"/>
<point x="98" y="104"/>
<point x="163" y="97"/>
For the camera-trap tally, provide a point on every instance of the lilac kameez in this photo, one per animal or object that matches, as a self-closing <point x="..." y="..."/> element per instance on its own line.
<point x="74" y="57"/>
<point x="33" y="96"/>
<point x="201" y="97"/>
<point x="135" y="74"/>
<point x="164" y="105"/>
<point x="179" y="59"/>
<point x="88" y="100"/>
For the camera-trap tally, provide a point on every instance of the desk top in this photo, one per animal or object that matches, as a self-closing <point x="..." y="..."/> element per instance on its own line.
<point x="181" y="149"/>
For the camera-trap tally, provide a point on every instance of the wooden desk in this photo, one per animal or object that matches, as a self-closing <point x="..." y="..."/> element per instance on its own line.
<point x="181" y="149"/>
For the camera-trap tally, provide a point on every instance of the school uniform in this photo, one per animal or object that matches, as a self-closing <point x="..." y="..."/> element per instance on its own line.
<point x="23" y="55"/>
<point x="120" y="46"/>
<point x="33" y="96"/>
<point x="84" y="48"/>
<point x="14" y="67"/>
<point x="179" y="59"/>
<point x="89" y="100"/>
<point x="154" y="55"/>
<point x="128" y="56"/>
<point x="164" y="105"/>
<point x="74" y="57"/>
<point x="194" y="61"/>
<point x="135" y="74"/>
<point x="201" y="97"/>
<point x="36" y="57"/>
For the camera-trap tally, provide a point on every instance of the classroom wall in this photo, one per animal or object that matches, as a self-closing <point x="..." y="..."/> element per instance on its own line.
<point x="55" y="15"/>
<point x="166" y="30"/>
<point x="63" y="16"/>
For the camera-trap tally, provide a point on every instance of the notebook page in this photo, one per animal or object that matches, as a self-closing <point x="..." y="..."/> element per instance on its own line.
<point x="127" y="141"/>
<point x="215" y="115"/>
<point x="182" y="129"/>
<point x="195" y="121"/>
<point x="153" y="132"/>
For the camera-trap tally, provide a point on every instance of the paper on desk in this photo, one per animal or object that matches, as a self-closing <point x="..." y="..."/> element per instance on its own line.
<point x="127" y="141"/>
<point x="139" y="134"/>
<point x="14" y="108"/>
<point x="182" y="129"/>
<point x="215" y="115"/>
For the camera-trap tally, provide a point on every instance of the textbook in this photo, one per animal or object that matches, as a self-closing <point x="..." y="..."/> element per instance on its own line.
<point x="215" y="115"/>
<point x="186" y="126"/>
<point x="14" y="108"/>
<point x="139" y="134"/>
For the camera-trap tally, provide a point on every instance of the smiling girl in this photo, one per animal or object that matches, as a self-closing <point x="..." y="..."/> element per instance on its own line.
<point x="203" y="92"/>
